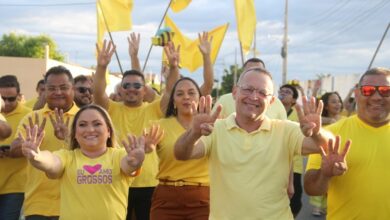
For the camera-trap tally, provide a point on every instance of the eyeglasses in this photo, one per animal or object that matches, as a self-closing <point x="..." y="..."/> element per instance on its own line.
<point x="132" y="85"/>
<point x="383" y="91"/>
<point x="286" y="91"/>
<point x="9" y="99"/>
<point x="84" y="90"/>
<point x="249" y="91"/>
<point x="63" y="88"/>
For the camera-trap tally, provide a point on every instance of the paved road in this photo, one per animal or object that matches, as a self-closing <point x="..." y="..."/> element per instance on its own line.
<point x="305" y="213"/>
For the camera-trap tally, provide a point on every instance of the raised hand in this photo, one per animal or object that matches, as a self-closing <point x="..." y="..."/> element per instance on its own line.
<point x="310" y="117"/>
<point x="135" y="150"/>
<point x="30" y="144"/>
<point x="152" y="138"/>
<point x="31" y="123"/>
<point x="203" y="121"/>
<point x="205" y="43"/>
<point x="333" y="162"/>
<point x="172" y="54"/>
<point x="61" y="127"/>
<point x="134" y="42"/>
<point x="105" y="53"/>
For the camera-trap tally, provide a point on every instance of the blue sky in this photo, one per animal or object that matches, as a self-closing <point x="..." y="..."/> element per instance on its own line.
<point x="325" y="36"/>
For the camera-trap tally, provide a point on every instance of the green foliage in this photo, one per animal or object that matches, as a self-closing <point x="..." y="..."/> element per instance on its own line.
<point x="15" y="45"/>
<point x="228" y="79"/>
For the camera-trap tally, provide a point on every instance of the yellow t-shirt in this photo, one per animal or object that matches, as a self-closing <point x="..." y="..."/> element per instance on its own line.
<point x="42" y="195"/>
<point x="171" y="169"/>
<point x="363" y="191"/>
<point x="249" y="172"/>
<point x="30" y="103"/>
<point x="13" y="170"/>
<point x="275" y="111"/>
<point x="93" y="188"/>
<point x="133" y="120"/>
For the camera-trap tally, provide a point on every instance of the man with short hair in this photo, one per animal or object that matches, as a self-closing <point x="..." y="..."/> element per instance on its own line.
<point x="288" y="95"/>
<point x="42" y="195"/>
<point x="83" y="90"/>
<point x="132" y="115"/>
<point x="363" y="192"/>
<point x="12" y="170"/>
<point x="275" y="111"/>
<point x="250" y="154"/>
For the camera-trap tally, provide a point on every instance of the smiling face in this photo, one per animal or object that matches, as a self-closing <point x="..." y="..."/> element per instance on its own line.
<point x="253" y="95"/>
<point x="132" y="90"/>
<point x="83" y="93"/>
<point x="92" y="131"/>
<point x="59" y="92"/>
<point x="375" y="109"/>
<point x="185" y="93"/>
<point x="334" y="105"/>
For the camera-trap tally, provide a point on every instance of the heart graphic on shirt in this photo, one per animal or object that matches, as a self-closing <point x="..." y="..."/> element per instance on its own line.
<point x="92" y="169"/>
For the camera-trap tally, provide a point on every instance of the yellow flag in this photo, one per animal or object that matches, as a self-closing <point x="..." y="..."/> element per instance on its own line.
<point x="178" y="5"/>
<point x="114" y="13"/>
<point x="190" y="56"/>
<point x="178" y="37"/>
<point x="218" y="35"/>
<point x="246" y="22"/>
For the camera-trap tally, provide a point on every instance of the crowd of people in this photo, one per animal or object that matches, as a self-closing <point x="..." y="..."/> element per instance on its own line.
<point x="75" y="152"/>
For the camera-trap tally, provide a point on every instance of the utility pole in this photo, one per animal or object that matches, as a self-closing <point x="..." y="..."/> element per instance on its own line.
<point x="377" y="49"/>
<point x="284" y="48"/>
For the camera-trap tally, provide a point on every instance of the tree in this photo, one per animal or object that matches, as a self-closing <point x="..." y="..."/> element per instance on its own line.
<point x="15" y="45"/>
<point x="228" y="80"/>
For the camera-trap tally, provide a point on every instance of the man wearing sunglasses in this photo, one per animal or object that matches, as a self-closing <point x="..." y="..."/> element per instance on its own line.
<point x="12" y="170"/>
<point x="82" y="90"/>
<point x="363" y="191"/>
<point x="131" y="116"/>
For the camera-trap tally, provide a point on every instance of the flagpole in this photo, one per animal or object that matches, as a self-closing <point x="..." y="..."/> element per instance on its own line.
<point x="242" y="54"/>
<point x="109" y="34"/>
<point x="159" y="26"/>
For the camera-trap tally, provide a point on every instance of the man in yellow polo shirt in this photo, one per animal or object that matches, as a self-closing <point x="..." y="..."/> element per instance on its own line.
<point x="250" y="155"/>
<point x="132" y="116"/>
<point x="363" y="192"/>
<point x="42" y="195"/>
<point x="12" y="170"/>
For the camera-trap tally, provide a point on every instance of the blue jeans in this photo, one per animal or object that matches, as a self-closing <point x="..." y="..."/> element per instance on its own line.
<point x="11" y="205"/>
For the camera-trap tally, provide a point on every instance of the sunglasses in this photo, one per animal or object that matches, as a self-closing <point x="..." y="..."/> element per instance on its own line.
<point x="84" y="90"/>
<point x="383" y="91"/>
<point x="132" y="85"/>
<point x="9" y="99"/>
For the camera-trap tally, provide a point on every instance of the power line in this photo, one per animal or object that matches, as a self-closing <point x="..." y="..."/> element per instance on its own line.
<point x="354" y="21"/>
<point x="331" y="11"/>
<point x="351" y="22"/>
<point x="47" y="5"/>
